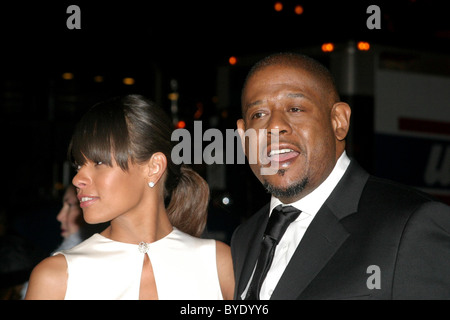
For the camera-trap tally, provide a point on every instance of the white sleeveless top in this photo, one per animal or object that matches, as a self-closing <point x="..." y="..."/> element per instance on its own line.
<point x="184" y="267"/>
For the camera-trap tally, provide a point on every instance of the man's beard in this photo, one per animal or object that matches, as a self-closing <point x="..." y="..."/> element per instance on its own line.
<point x="288" y="192"/>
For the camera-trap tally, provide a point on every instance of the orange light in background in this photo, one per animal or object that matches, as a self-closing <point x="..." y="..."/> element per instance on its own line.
<point x="128" y="81"/>
<point x="232" y="60"/>
<point x="299" y="9"/>
<point x="98" y="79"/>
<point x="199" y="111"/>
<point x="327" y="47"/>
<point x="181" y="124"/>
<point x="363" y="46"/>
<point x="67" y="76"/>
<point x="224" y="114"/>
<point x="173" y="96"/>
<point x="278" y="6"/>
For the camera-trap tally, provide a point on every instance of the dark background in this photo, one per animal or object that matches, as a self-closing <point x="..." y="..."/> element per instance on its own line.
<point x="155" y="42"/>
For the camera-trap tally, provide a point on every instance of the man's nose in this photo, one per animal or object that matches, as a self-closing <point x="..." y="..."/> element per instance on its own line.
<point x="278" y="123"/>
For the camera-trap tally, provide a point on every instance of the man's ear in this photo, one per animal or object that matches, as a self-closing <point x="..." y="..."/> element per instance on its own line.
<point x="241" y="130"/>
<point x="340" y="119"/>
<point x="156" y="167"/>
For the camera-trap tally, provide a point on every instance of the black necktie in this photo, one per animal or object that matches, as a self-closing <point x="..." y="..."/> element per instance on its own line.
<point x="279" y="221"/>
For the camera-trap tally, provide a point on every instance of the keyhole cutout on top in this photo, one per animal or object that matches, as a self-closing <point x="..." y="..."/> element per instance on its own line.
<point x="147" y="289"/>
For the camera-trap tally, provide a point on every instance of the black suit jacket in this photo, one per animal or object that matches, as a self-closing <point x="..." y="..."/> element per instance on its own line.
<point x="366" y="221"/>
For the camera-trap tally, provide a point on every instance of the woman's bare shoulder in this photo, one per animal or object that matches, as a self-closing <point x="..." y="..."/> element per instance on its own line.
<point x="225" y="269"/>
<point x="48" y="281"/>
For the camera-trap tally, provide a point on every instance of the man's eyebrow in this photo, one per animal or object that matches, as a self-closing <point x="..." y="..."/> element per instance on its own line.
<point x="296" y="95"/>
<point x="254" y="103"/>
<point x="289" y="95"/>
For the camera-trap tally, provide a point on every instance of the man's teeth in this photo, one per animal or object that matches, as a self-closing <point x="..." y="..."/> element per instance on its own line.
<point x="86" y="199"/>
<point x="274" y="152"/>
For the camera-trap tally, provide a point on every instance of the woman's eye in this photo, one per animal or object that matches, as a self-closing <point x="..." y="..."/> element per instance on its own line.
<point x="98" y="163"/>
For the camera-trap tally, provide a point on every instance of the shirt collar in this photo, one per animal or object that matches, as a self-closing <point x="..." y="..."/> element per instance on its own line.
<point x="311" y="203"/>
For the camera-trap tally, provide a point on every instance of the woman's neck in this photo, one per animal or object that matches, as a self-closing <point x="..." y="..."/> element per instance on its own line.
<point x="149" y="226"/>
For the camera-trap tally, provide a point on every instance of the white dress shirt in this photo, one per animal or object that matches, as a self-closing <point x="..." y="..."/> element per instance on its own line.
<point x="309" y="205"/>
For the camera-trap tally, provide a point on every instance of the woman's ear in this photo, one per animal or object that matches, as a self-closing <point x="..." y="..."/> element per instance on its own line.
<point x="155" y="168"/>
<point x="340" y="119"/>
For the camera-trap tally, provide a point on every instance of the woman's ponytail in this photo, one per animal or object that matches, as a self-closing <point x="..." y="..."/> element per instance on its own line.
<point x="188" y="207"/>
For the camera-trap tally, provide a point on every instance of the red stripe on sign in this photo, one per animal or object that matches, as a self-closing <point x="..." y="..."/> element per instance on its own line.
<point x="426" y="126"/>
<point x="444" y="198"/>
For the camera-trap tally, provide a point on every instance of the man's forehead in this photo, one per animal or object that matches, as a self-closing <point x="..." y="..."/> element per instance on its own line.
<point x="295" y="77"/>
<point x="279" y="76"/>
<point x="287" y="83"/>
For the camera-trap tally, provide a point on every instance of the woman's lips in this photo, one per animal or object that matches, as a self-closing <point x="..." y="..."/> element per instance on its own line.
<point x="86" y="201"/>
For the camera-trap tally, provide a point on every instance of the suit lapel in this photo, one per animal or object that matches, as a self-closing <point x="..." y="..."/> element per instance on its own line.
<point x="324" y="236"/>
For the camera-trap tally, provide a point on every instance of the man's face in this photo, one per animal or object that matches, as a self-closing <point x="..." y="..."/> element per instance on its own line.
<point x="292" y="102"/>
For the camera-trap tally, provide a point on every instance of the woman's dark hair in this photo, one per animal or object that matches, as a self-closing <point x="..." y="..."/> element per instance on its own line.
<point x="132" y="128"/>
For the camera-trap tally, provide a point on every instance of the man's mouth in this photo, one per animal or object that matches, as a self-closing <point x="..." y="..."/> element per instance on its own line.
<point x="282" y="155"/>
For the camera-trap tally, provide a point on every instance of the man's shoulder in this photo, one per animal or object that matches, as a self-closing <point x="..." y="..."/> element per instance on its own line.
<point x="387" y="196"/>
<point x="391" y="191"/>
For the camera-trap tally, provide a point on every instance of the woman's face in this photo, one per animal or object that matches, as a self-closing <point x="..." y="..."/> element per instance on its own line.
<point x="107" y="192"/>
<point x="70" y="215"/>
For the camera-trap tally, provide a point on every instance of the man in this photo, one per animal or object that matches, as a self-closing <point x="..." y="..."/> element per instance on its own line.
<point x="356" y="236"/>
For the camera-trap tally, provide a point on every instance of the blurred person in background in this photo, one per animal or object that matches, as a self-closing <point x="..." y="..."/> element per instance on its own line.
<point x="71" y="218"/>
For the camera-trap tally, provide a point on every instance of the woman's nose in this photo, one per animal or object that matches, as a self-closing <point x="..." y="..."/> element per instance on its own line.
<point x="81" y="179"/>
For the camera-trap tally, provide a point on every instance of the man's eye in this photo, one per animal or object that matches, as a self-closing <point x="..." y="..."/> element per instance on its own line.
<point x="98" y="163"/>
<point x="296" y="109"/>
<point x="257" y="115"/>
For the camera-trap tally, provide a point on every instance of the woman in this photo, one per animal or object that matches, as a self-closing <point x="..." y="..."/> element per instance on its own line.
<point x="122" y="149"/>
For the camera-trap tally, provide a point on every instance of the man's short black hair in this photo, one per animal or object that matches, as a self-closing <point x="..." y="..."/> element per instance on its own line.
<point x="297" y="60"/>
